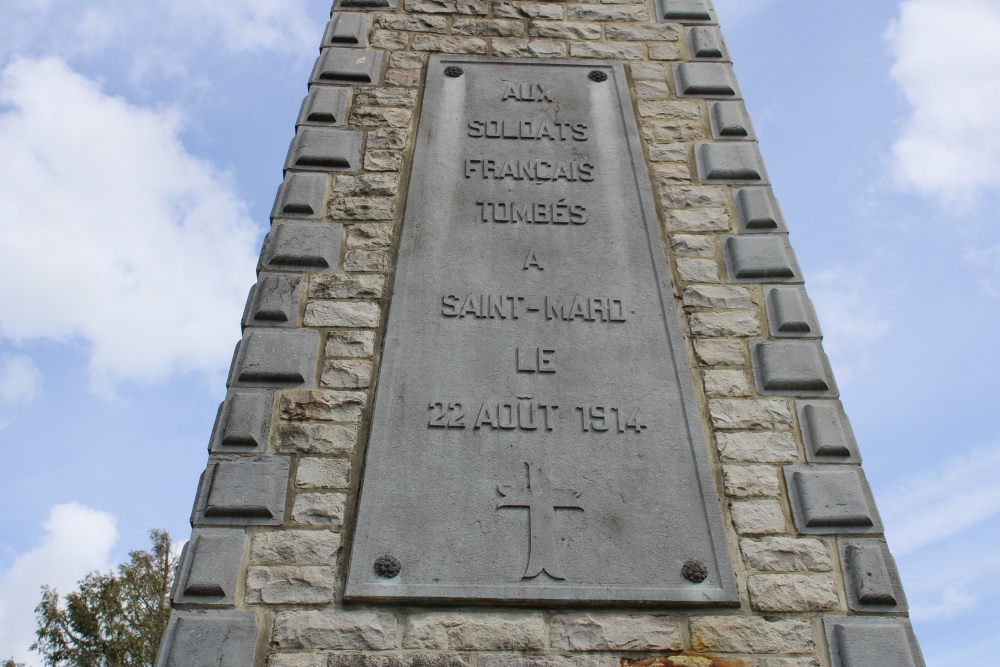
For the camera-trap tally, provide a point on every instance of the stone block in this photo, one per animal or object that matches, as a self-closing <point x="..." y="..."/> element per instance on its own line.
<point x="411" y="23"/>
<point x="643" y="33"/>
<point x="302" y="246"/>
<point x="606" y="50"/>
<point x="218" y="638"/>
<point x="564" y="30"/>
<point x="208" y="568"/>
<point x="647" y="72"/>
<point x="692" y="196"/>
<point x="717" y="296"/>
<point x="473" y="7"/>
<point x="757" y="517"/>
<point x="347" y="373"/>
<point x="579" y="660"/>
<point x="487" y="28"/>
<point x="242" y="490"/>
<point x="711" y="80"/>
<point x="297" y="660"/>
<point x="792" y="368"/>
<point x="324" y="105"/>
<point x="474" y="631"/>
<point x="390" y="40"/>
<point x="528" y="10"/>
<point x="319" y="509"/>
<point x="773" y="593"/>
<point x="761" y="258"/>
<point x="302" y="438"/>
<point x="726" y="324"/>
<point x="322" y="473"/>
<point x="698" y="270"/>
<point x="377" y="235"/>
<point x="347" y="343"/>
<point x="388" y="96"/>
<point x="605" y="13"/>
<point x="301" y="196"/>
<point x="738" y="163"/>
<point x="669" y="131"/>
<point x="303" y="547"/>
<point x="758" y="211"/>
<point x="720" y="352"/>
<point x="402" y="660"/>
<point x="730" y="122"/>
<point x="370" y="261"/>
<point x="612" y="632"/>
<point x="290" y="584"/>
<point x="827" y="433"/>
<point x="698" y="220"/>
<point x="664" y="51"/>
<point x="335" y="630"/>
<point x="831" y="499"/>
<point x="322" y="405"/>
<point x="283" y="358"/>
<point x="273" y="301"/>
<point x="325" y="149"/>
<point x="369" y="185"/>
<point x="786" y="554"/>
<point x="363" y="5"/>
<point x="860" y="642"/>
<point x="663" y="152"/>
<point x="523" y="48"/>
<point x="750" y="447"/>
<point x="445" y="44"/>
<point x="346" y="286"/>
<point x="705" y="43"/>
<point x="692" y="245"/>
<point x="790" y="313"/>
<point x="750" y="480"/>
<point x="870" y="576"/>
<point x="243" y="422"/>
<point x="352" y="314"/>
<point x="348" y="29"/>
<point x="750" y="414"/>
<point x="362" y="208"/>
<point x="351" y="66"/>
<point x="751" y="634"/>
<point x="378" y="116"/>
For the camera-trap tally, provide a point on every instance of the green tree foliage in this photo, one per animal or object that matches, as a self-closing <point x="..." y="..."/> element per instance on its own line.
<point x="114" y="619"/>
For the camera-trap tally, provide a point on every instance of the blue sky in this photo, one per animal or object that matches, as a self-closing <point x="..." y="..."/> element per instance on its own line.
<point x="140" y="149"/>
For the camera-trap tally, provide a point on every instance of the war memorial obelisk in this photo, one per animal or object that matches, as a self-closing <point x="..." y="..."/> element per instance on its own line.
<point x="529" y="377"/>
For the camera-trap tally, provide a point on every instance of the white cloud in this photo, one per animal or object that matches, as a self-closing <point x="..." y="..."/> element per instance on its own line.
<point x="988" y="259"/>
<point x="77" y="541"/>
<point x="20" y="381"/>
<point x="113" y="232"/>
<point x="947" y="56"/>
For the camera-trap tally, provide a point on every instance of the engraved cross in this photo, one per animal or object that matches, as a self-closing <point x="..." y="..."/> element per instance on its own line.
<point x="542" y="501"/>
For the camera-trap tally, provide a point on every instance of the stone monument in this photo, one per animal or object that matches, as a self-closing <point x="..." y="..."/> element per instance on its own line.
<point x="529" y="377"/>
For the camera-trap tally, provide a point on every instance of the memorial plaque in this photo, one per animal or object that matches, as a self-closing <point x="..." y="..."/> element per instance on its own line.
<point x="535" y="436"/>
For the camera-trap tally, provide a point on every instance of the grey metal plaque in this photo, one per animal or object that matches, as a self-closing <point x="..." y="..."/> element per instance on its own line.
<point x="535" y="436"/>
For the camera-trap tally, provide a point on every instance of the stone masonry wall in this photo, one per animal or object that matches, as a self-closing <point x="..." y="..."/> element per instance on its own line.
<point x="264" y="572"/>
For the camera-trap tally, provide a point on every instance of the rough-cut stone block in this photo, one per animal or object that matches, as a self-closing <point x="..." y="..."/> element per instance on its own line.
<point x="410" y="24"/>
<point x="729" y="163"/>
<point x="471" y="631"/>
<point x="643" y="33"/>
<point x="698" y="220"/>
<point x="691" y="270"/>
<point x="860" y="642"/>
<point x="729" y="121"/>
<point x="607" y="632"/>
<point x="786" y="554"/>
<point x="383" y="160"/>
<point x="752" y="480"/>
<point x="218" y="638"/>
<point x="668" y="131"/>
<point x="319" y="509"/>
<point x="302" y="246"/>
<point x="790" y="313"/>
<point x="362" y="208"/>
<point x="720" y="352"/>
<point x="316" y="473"/>
<point x="528" y="10"/>
<point x="772" y="593"/>
<point x="208" y="568"/>
<point x="341" y="286"/>
<point x="377" y="116"/>
<point x="726" y="384"/>
<point x="665" y="152"/>
<point x="322" y="405"/>
<point x="669" y="109"/>
<point x="759" y="258"/>
<point x="347" y="373"/>
<point x="297" y="659"/>
<point x="731" y="324"/>
<point x="370" y="185"/>
<point x="370" y="261"/>
<point x="273" y="301"/>
<point x="242" y="490"/>
<point x="750" y="415"/>
<point x="290" y="584"/>
<point x="579" y="660"/>
<point x="692" y="245"/>
<point x="751" y="634"/>
<point x="348" y="343"/>
<point x="827" y="433"/>
<point x="705" y="43"/>
<point x="303" y="547"/>
<point x="317" y="438"/>
<point x="376" y="235"/>
<point x="749" y="447"/>
<point x="443" y="44"/>
<point x="604" y="13"/>
<point x="757" y="210"/>
<point x="301" y="196"/>
<point x="324" y="149"/>
<point x="647" y="71"/>
<point x="712" y="296"/>
<point x="242" y="422"/>
<point x="473" y="7"/>
<point x="487" y="28"/>
<point x="347" y="66"/>
<point x="870" y="576"/>
<point x="352" y="314"/>
<point x="705" y="80"/>
<point x="692" y="196"/>
<point x="564" y="30"/>
<point x="346" y="29"/>
<point x="335" y="630"/>
<point x="757" y="517"/>
<point x="523" y="48"/>
<point x="792" y="367"/>
<point x="284" y="358"/>
<point x="831" y="499"/>
<point x="402" y="660"/>
<point x="606" y="50"/>
<point x="389" y="39"/>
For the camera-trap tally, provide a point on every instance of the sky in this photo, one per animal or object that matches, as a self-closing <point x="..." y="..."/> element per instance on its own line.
<point x="141" y="145"/>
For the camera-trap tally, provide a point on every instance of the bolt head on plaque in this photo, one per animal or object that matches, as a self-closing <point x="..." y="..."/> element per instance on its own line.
<point x="387" y="566"/>
<point x="454" y="71"/>
<point x="694" y="571"/>
<point x="598" y="75"/>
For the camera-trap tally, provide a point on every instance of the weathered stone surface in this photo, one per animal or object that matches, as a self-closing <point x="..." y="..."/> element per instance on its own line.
<point x="671" y="172"/>
<point x="346" y="343"/>
<point x="353" y="314"/>
<point x="749" y="634"/>
<point x="607" y="632"/>
<point x="747" y="414"/>
<point x="479" y="632"/>
<point x="388" y="39"/>
<point x="400" y="77"/>
<point x="698" y="220"/>
<point x="349" y="185"/>
<point x="386" y="137"/>
<point x="315" y="473"/>
<point x="792" y="592"/>
<point x="604" y="13"/>
<point x="698" y="270"/>
<point x="509" y="660"/>
<point x="474" y="7"/>
<point x="644" y="33"/>
<point x="302" y="438"/>
<point x="297" y="660"/>
<point x="757" y="517"/>
<point x="667" y="152"/>
<point x="371" y="261"/>
<point x="361" y="208"/>
<point x="286" y="584"/>
<point x="449" y="44"/>
<point x="752" y="480"/>
<point x="664" y="51"/>
<point x="666" y="131"/>
<point x="347" y="373"/>
<point x="410" y="23"/>
<point x="295" y="546"/>
<point x="487" y="28"/>
<point x="721" y="384"/>
<point x="717" y="325"/>
<point x="401" y="660"/>
<point x="564" y="30"/>
<point x="322" y="405"/>
<point x="388" y="161"/>
<point x="692" y="245"/>
<point x="606" y="50"/>
<point x="693" y="196"/>
<point x="407" y="60"/>
<point x="786" y="554"/>
<point x="340" y="286"/>
<point x="720" y="352"/>
<point x="317" y="509"/>
<point x="647" y="71"/>
<point x="757" y="447"/>
<point x="335" y="630"/>
<point x="711" y="296"/>
<point x="362" y="116"/>
<point x="528" y="10"/>
<point x="523" y="48"/>
<point x="376" y="235"/>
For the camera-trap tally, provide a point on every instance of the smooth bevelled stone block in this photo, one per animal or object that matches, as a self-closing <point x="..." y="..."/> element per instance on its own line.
<point x="729" y="163"/>
<point x="831" y="499"/>
<point x="705" y="43"/>
<point x="705" y="80"/>
<point x="243" y="421"/>
<point x="208" y="568"/>
<point x="766" y="258"/>
<point x="302" y="246"/>
<point x="300" y="196"/>
<point x="339" y="65"/>
<point x="827" y="433"/>
<point x="870" y="576"/>
<point x="242" y="490"/>
<point x="209" y="639"/>
<point x="790" y="313"/>
<point x="685" y="10"/>
<point x="872" y="642"/>
<point x="757" y="211"/>
<point x="730" y="122"/>
<point x="285" y="358"/>
<point x="792" y="367"/>
<point x="348" y="30"/>
<point x="324" y="105"/>
<point x="273" y="301"/>
<point x="324" y="149"/>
